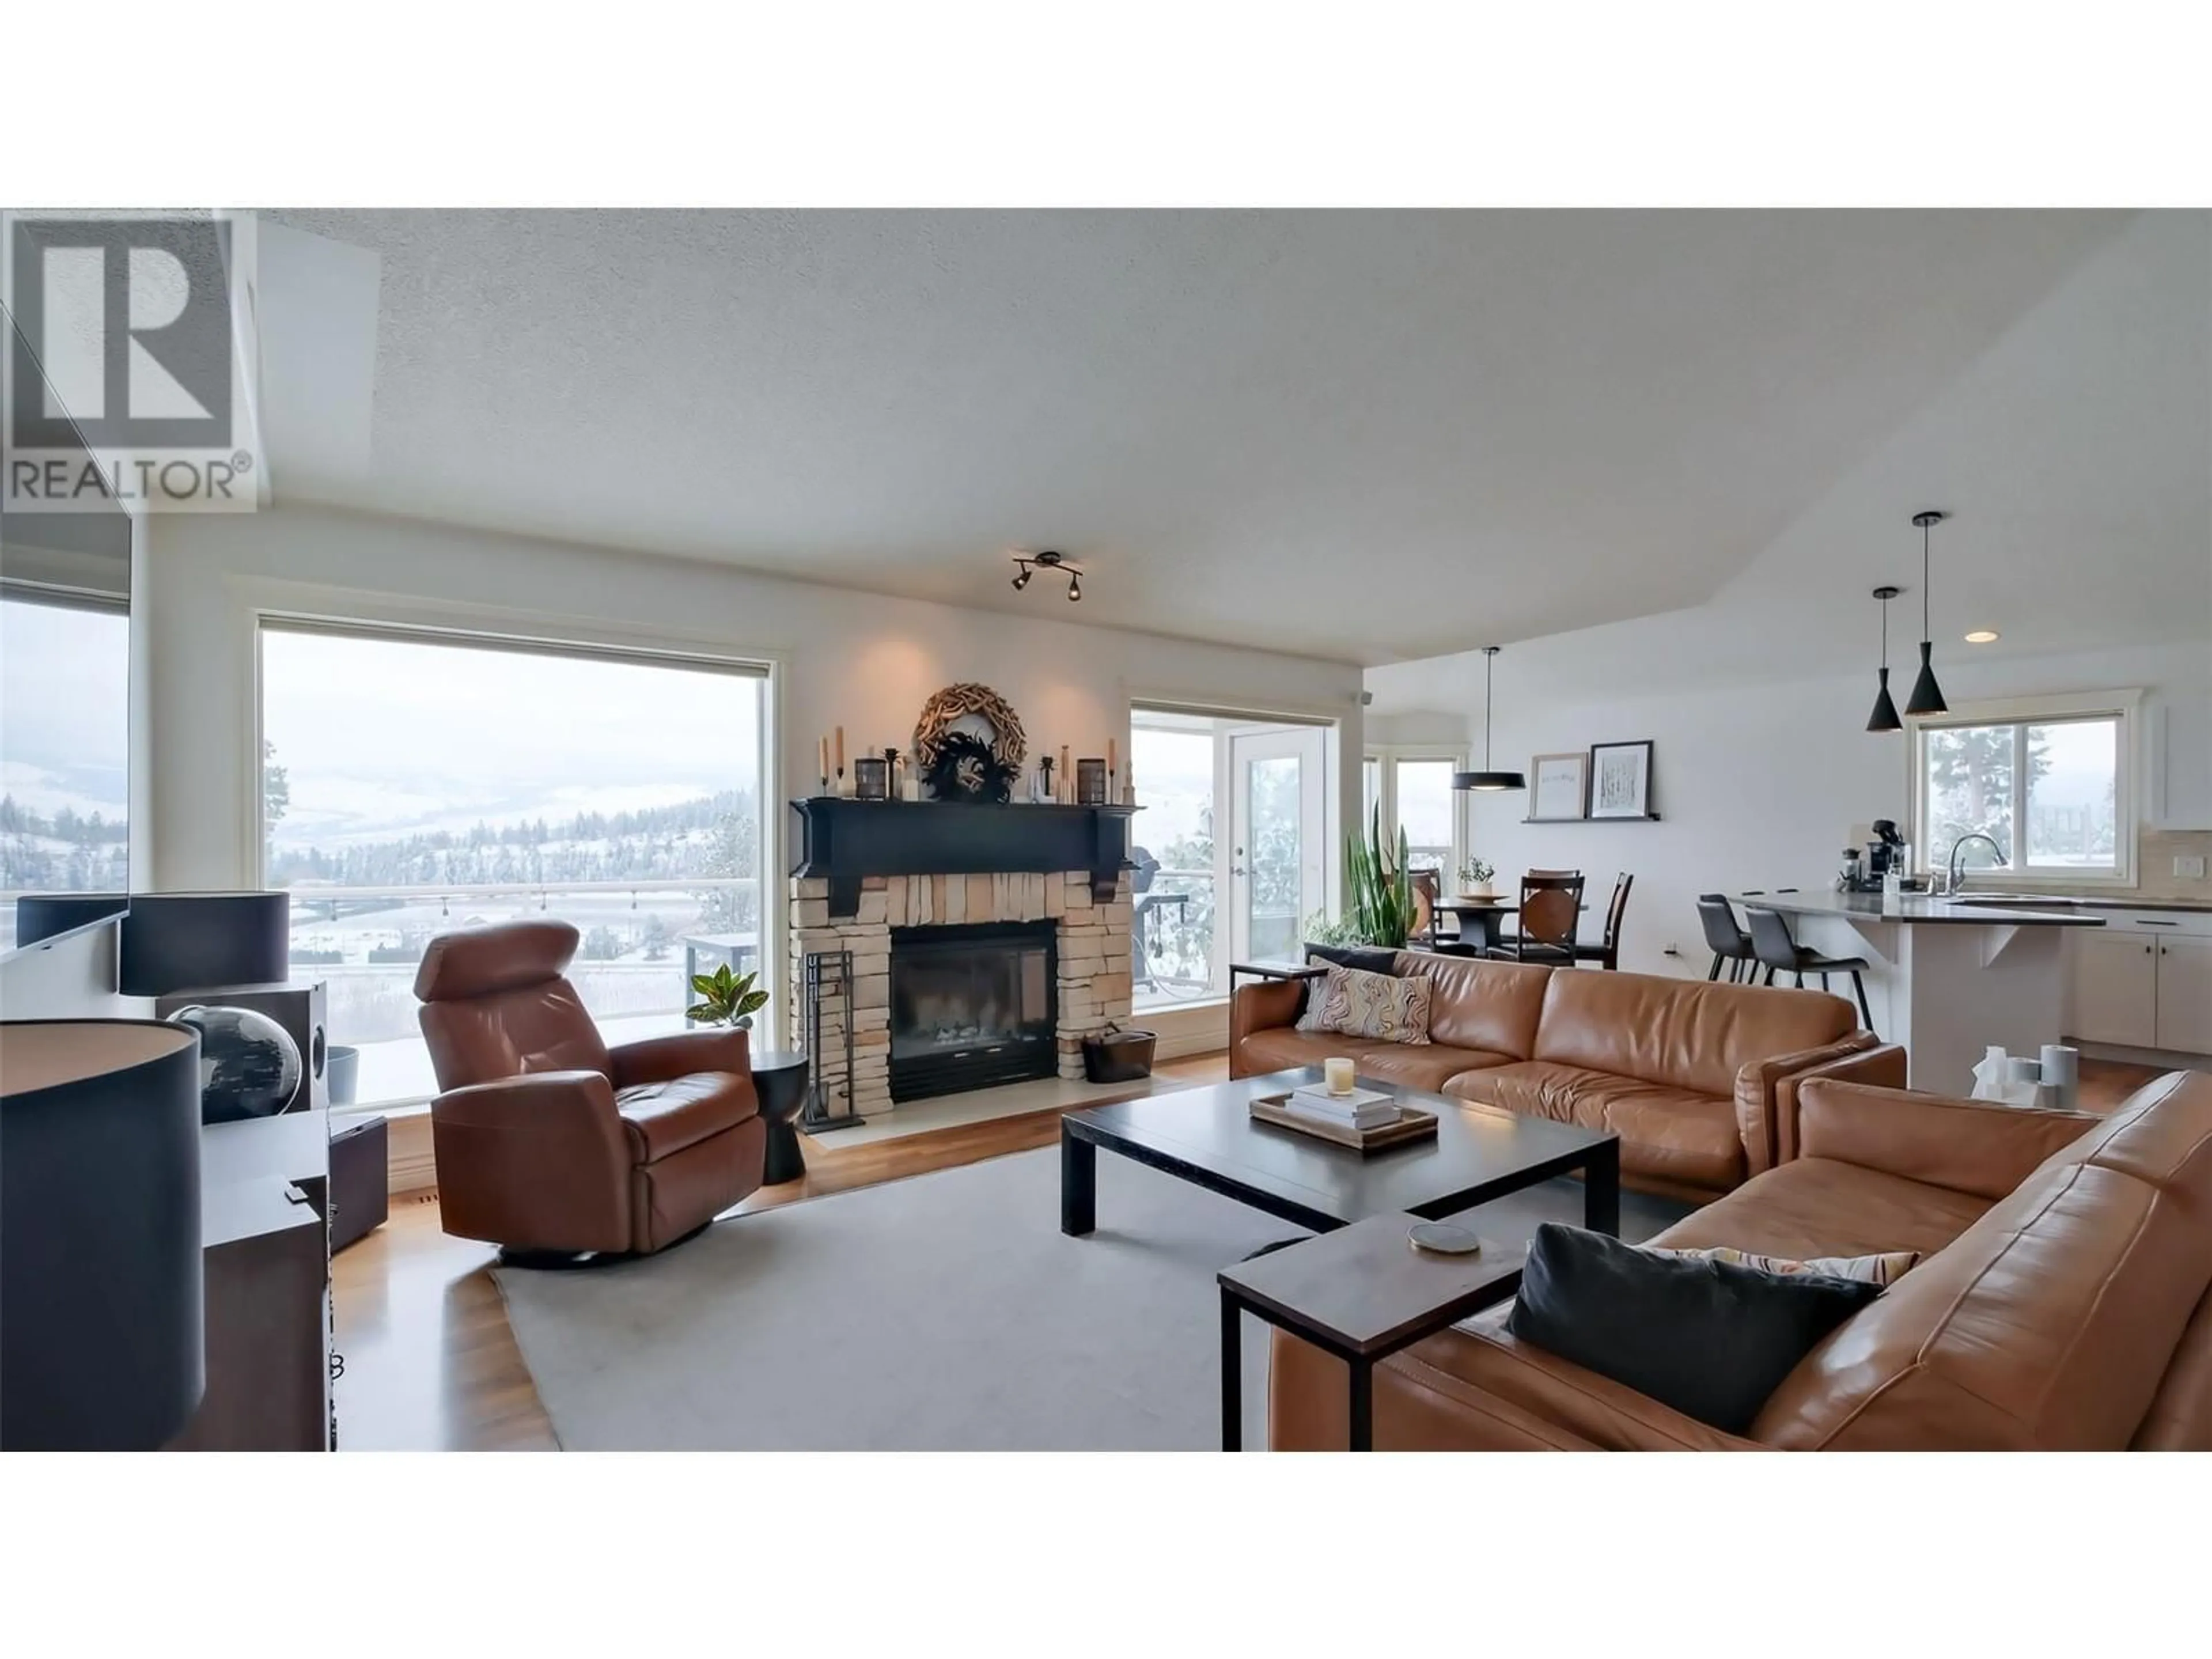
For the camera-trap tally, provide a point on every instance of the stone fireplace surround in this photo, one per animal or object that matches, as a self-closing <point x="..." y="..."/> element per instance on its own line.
<point x="1091" y="938"/>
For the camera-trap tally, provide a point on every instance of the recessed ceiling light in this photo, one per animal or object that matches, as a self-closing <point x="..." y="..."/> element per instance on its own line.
<point x="1982" y="636"/>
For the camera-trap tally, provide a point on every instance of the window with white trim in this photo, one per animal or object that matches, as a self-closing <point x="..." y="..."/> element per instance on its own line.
<point x="2050" y="781"/>
<point x="1412" y="785"/>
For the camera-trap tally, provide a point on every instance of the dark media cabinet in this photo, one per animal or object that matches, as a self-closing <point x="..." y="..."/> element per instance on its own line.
<point x="265" y="1228"/>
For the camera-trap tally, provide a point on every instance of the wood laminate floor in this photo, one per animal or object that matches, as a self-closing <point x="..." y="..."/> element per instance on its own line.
<point x="431" y="1365"/>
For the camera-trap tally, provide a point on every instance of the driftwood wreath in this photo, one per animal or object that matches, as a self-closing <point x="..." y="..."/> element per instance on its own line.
<point x="955" y="702"/>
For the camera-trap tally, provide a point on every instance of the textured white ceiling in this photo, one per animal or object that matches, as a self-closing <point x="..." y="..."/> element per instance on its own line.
<point x="1367" y="435"/>
<point x="2075" y="456"/>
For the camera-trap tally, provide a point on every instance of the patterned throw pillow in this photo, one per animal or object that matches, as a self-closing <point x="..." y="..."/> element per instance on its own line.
<point x="1368" y="1005"/>
<point x="1884" y="1269"/>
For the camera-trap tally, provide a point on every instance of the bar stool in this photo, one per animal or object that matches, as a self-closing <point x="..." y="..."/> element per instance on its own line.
<point x="1771" y="941"/>
<point x="1728" y="942"/>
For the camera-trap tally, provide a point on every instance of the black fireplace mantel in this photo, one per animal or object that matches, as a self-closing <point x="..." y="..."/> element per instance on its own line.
<point x="847" y="841"/>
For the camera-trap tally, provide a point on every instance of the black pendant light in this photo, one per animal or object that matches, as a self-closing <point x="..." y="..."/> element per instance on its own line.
<point x="1884" y="718"/>
<point x="1927" y="696"/>
<point x="1486" y="779"/>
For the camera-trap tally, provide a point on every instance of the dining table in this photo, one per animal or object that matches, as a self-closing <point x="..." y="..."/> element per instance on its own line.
<point x="1488" y="914"/>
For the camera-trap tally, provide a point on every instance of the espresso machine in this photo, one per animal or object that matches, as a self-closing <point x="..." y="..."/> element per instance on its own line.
<point x="1865" y="870"/>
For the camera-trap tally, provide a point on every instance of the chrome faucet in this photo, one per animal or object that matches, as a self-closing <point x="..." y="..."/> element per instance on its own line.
<point x="1951" y="885"/>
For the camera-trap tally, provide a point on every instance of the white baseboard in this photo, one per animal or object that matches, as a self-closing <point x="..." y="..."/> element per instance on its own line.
<point x="1197" y="1028"/>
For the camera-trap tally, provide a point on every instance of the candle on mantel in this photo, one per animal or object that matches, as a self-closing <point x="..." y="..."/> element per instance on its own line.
<point x="841" y="748"/>
<point x="1066" y="790"/>
<point x="1110" y="753"/>
<point x="825" y="760"/>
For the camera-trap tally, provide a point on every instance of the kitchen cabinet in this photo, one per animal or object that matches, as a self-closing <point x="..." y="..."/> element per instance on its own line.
<point x="2144" y="981"/>
<point x="2185" y="994"/>
<point x="2116" y="989"/>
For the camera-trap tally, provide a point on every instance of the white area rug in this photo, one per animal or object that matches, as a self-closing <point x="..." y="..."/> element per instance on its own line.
<point x="946" y="1312"/>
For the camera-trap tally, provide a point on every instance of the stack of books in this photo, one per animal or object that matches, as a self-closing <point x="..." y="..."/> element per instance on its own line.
<point x="1363" y="1108"/>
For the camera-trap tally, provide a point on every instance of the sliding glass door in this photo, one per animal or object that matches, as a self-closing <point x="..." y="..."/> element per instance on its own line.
<point x="414" y="784"/>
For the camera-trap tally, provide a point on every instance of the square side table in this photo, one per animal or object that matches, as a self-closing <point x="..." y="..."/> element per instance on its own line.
<point x="1362" y="1293"/>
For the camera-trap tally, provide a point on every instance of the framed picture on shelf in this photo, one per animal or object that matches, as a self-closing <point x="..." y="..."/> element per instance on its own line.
<point x="1620" y="780"/>
<point x="1560" y="786"/>
<point x="1090" y="782"/>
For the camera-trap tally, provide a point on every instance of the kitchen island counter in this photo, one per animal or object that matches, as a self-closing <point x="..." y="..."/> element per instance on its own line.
<point x="1920" y="909"/>
<point x="1947" y="977"/>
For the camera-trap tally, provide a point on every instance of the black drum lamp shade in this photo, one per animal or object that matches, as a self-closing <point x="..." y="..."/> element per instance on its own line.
<point x="101" y="1343"/>
<point x="196" y="941"/>
<point x="1488" y="781"/>
<point x="41" y="915"/>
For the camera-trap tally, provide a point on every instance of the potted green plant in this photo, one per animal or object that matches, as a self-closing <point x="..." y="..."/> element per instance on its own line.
<point x="1378" y="894"/>
<point x="1474" y="878"/>
<point x="725" y="998"/>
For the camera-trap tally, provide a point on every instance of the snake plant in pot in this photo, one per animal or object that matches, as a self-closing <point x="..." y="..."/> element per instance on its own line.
<point x="1378" y="893"/>
<point x="725" y="998"/>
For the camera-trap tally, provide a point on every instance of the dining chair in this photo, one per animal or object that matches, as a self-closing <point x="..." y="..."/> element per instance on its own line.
<point x="1607" y="955"/>
<point x="1779" y="951"/>
<point x="1427" y="885"/>
<point x="1551" y="909"/>
<point x="1726" y="939"/>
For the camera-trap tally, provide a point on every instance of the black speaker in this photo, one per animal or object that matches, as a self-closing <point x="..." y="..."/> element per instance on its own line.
<point x="297" y="1008"/>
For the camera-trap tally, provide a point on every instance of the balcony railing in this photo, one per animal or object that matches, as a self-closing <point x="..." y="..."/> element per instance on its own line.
<point x="641" y="942"/>
<point x="1172" y="943"/>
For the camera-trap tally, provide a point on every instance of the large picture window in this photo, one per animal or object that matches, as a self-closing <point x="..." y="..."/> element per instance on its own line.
<point x="414" y="784"/>
<point x="2049" y="783"/>
<point x="64" y="761"/>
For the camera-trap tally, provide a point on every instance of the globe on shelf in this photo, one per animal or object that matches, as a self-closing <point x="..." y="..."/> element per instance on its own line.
<point x="249" y="1065"/>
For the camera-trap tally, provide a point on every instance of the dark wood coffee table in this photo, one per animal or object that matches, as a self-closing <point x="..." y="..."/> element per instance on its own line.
<point x="1208" y="1137"/>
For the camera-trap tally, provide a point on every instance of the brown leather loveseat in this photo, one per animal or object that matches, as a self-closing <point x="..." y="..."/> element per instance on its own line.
<point x="547" y="1139"/>
<point x="1694" y="1076"/>
<point x="2064" y="1301"/>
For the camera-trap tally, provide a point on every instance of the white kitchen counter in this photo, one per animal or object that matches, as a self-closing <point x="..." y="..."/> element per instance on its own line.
<point x="1946" y="977"/>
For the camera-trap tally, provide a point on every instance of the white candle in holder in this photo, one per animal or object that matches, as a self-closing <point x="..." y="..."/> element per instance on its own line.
<point x="1339" y="1073"/>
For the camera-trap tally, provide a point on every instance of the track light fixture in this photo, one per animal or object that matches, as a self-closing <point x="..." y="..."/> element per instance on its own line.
<point x="1029" y="564"/>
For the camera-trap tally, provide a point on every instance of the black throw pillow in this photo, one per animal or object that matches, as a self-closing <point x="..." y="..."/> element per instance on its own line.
<point x="1367" y="958"/>
<point x="1709" y="1338"/>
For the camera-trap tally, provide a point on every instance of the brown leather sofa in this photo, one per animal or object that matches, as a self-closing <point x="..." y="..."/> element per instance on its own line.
<point x="2064" y="1299"/>
<point x="548" y="1140"/>
<point x="1695" y="1077"/>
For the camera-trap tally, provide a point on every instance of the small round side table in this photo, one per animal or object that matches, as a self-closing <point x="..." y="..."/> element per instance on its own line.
<point x="780" y="1077"/>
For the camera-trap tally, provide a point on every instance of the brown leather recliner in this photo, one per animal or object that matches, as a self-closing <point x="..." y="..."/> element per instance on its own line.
<point x="546" y="1140"/>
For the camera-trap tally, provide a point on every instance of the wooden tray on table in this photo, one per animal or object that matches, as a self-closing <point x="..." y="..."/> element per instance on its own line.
<point x="1413" y="1124"/>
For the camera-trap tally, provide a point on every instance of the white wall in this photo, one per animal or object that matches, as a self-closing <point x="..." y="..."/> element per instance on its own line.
<point x="1762" y="786"/>
<point x="867" y="663"/>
